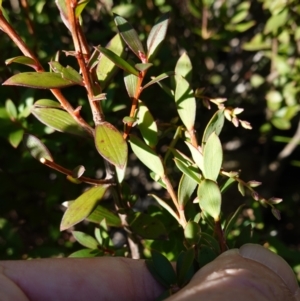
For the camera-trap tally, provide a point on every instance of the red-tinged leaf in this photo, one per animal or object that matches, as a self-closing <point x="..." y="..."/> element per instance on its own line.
<point x="82" y="206"/>
<point x="24" y="60"/>
<point x="38" y="80"/>
<point x="185" y="190"/>
<point x="111" y="144"/>
<point x="36" y="148"/>
<point x="131" y="83"/>
<point x="185" y="102"/>
<point x="118" y="60"/>
<point x="86" y="240"/>
<point x="184" y="67"/>
<point x="209" y="196"/>
<point x="106" y="68"/>
<point x="212" y="157"/>
<point x="130" y="37"/>
<point x="61" y="4"/>
<point x="147" y="125"/>
<point x="276" y="213"/>
<point x="58" y="119"/>
<point x="215" y="125"/>
<point x="157" y="35"/>
<point x="159" y="78"/>
<point x="147" y="155"/>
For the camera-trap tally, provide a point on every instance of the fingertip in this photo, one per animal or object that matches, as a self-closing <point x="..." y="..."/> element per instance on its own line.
<point x="274" y="262"/>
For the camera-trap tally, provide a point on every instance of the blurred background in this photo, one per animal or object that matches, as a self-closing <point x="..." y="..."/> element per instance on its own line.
<point x="245" y="51"/>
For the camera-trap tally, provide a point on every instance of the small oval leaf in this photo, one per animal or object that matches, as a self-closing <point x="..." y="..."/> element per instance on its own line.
<point x="58" y="119"/>
<point x="82" y="206"/>
<point x="157" y="35"/>
<point x="215" y="125"/>
<point x="105" y="67"/>
<point x="86" y="240"/>
<point x="212" y="157"/>
<point x="38" y="80"/>
<point x="143" y="67"/>
<point x="110" y="144"/>
<point x="131" y="83"/>
<point x="147" y="125"/>
<point x="11" y="109"/>
<point x="184" y="67"/>
<point x="24" y="60"/>
<point x="189" y="170"/>
<point x="78" y="171"/>
<point x="185" y="102"/>
<point x="209" y="196"/>
<point x="118" y="60"/>
<point x="159" y="78"/>
<point x="36" y="148"/>
<point x="185" y="189"/>
<point x="147" y="155"/>
<point x="101" y="213"/>
<point x="146" y="226"/>
<point x="130" y="36"/>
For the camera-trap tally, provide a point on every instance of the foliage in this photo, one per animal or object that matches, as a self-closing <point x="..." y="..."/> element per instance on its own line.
<point x="134" y="102"/>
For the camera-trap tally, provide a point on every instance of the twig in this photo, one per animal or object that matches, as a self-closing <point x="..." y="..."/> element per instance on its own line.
<point x="68" y="172"/>
<point x="6" y="27"/>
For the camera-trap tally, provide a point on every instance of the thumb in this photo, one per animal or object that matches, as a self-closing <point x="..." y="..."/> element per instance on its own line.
<point x="249" y="273"/>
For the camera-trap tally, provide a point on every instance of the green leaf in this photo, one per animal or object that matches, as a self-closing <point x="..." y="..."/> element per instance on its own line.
<point x="86" y="253"/>
<point x="212" y="157"/>
<point x="131" y="83"/>
<point x="101" y="213"/>
<point x="163" y="268"/>
<point x="184" y="67"/>
<point x="58" y="119"/>
<point x="11" y="109"/>
<point x="118" y="60"/>
<point x="147" y="155"/>
<point x="241" y="188"/>
<point x="105" y="67"/>
<point x="143" y="67"/>
<point x="85" y="240"/>
<point x="24" y="60"/>
<point x="80" y="7"/>
<point x="184" y="267"/>
<point x="147" y="125"/>
<point x="215" y="125"/>
<point x="125" y="10"/>
<point x="192" y="233"/>
<point x="82" y="206"/>
<point x="196" y="154"/>
<point x="232" y="219"/>
<point x="48" y="103"/>
<point x="159" y="78"/>
<point x="130" y="37"/>
<point x="206" y="255"/>
<point x="189" y="170"/>
<point x="15" y="137"/>
<point x="38" y="80"/>
<point x="185" y="102"/>
<point x="111" y="144"/>
<point x="165" y="206"/>
<point x="227" y="184"/>
<point x="157" y="35"/>
<point x="36" y="148"/>
<point x="147" y="226"/>
<point x="61" y="4"/>
<point x="67" y="73"/>
<point x="185" y="190"/>
<point x="281" y="123"/>
<point x="210" y="199"/>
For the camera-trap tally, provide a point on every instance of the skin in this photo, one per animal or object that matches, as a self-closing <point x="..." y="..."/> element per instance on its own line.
<point x="235" y="275"/>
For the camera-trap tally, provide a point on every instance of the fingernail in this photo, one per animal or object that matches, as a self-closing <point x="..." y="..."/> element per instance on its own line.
<point x="274" y="262"/>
